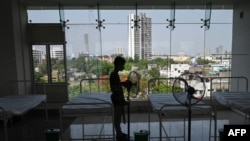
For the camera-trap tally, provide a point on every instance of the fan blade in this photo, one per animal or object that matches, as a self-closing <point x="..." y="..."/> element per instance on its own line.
<point x="133" y="77"/>
<point x="192" y="85"/>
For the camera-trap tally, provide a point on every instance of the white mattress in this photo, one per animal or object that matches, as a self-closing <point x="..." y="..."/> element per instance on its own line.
<point x="237" y="100"/>
<point x="19" y="104"/>
<point x="88" y="103"/>
<point x="166" y="105"/>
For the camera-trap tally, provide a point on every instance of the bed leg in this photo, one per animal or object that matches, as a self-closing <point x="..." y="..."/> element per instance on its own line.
<point x="46" y="111"/>
<point x="215" y="126"/>
<point x="5" y="128"/>
<point x="61" y="122"/>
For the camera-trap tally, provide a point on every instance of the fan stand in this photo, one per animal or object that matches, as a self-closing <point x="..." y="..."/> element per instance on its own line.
<point x="135" y="83"/>
<point x="128" y="115"/>
<point x="190" y="92"/>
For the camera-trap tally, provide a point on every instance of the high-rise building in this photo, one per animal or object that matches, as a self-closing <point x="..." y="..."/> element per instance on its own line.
<point x="120" y="50"/>
<point x="207" y="52"/>
<point x="86" y="43"/>
<point x="37" y="55"/>
<point x="56" y="52"/>
<point x="219" y="50"/>
<point x="140" y="36"/>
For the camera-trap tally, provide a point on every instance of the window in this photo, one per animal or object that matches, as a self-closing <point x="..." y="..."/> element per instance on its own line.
<point x="90" y="49"/>
<point x="49" y="63"/>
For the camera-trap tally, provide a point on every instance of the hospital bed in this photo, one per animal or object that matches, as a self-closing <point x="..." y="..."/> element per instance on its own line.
<point x="232" y="92"/>
<point x="91" y="101"/>
<point x="18" y="105"/>
<point x="166" y="107"/>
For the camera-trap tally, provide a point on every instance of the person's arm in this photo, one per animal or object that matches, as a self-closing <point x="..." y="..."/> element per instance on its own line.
<point x="127" y="84"/>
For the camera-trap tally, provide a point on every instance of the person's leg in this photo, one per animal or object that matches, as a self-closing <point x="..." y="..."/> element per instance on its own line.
<point x="119" y="111"/>
<point x="117" y="118"/>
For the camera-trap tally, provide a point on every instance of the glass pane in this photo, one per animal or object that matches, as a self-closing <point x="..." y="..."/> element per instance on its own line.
<point x="189" y="16"/>
<point x="159" y="32"/>
<point x="81" y="16"/>
<point x="219" y="35"/>
<point x="50" y="16"/>
<point x="219" y="48"/>
<point x="57" y="63"/>
<point x="115" y="34"/>
<point x="85" y="43"/>
<point x="216" y="16"/>
<point x="40" y="63"/>
<point x="187" y="41"/>
<point x="83" y="49"/>
<point x="82" y="39"/>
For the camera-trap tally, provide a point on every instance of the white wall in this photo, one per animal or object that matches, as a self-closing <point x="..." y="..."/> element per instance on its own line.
<point x="241" y="40"/>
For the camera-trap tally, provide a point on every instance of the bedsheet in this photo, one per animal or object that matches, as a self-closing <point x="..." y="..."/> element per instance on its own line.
<point x="88" y="103"/>
<point x="166" y="105"/>
<point x="237" y="100"/>
<point x="19" y="104"/>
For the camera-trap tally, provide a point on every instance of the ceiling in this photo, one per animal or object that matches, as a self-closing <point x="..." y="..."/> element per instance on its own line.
<point x="130" y="4"/>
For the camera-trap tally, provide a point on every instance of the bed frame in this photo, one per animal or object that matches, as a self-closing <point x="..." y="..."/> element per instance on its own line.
<point x="89" y="102"/>
<point x="166" y="107"/>
<point x="232" y="92"/>
<point x="18" y="105"/>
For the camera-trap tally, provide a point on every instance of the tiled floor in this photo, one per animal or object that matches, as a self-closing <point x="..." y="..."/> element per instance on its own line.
<point x="31" y="126"/>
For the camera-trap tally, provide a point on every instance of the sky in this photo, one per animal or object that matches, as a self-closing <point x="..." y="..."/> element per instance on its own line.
<point x="187" y="37"/>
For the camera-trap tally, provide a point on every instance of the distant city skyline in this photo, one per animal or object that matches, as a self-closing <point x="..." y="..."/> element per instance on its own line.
<point x="188" y="36"/>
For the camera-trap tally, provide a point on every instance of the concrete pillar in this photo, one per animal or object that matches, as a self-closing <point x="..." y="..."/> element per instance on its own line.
<point x="14" y="54"/>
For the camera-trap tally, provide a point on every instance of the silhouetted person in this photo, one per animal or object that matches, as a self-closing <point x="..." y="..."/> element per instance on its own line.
<point x="117" y="96"/>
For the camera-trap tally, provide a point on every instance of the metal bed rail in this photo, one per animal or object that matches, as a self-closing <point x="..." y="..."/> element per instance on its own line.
<point x="228" y="84"/>
<point x="164" y="85"/>
<point x="83" y="114"/>
<point x="159" y="83"/>
<point x="10" y="107"/>
<point x="92" y="91"/>
<point x="19" y="87"/>
<point x="5" y="117"/>
<point x="23" y="87"/>
<point x="233" y="86"/>
<point x="91" y="85"/>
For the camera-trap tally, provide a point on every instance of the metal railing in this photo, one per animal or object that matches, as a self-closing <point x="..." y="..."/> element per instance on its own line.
<point x="91" y="85"/>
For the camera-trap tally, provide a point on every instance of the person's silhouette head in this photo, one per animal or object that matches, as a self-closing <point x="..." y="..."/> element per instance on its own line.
<point x="119" y="63"/>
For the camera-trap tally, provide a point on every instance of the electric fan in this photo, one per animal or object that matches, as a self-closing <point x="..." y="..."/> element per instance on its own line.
<point x="189" y="89"/>
<point x="133" y="77"/>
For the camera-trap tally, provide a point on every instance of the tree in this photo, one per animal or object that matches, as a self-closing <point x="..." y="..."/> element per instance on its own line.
<point x="155" y="73"/>
<point x="201" y="61"/>
<point x="106" y="67"/>
<point x="37" y="77"/>
<point x="136" y="60"/>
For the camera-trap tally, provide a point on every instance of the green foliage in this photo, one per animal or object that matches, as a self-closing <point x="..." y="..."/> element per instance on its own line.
<point x="128" y="66"/>
<point x="178" y="89"/>
<point x="162" y="88"/>
<point x="155" y="73"/>
<point x="97" y="67"/>
<point x="38" y="77"/>
<point x="201" y="61"/>
<point x="107" y="68"/>
<point x="74" y="90"/>
<point x="137" y="59"/>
